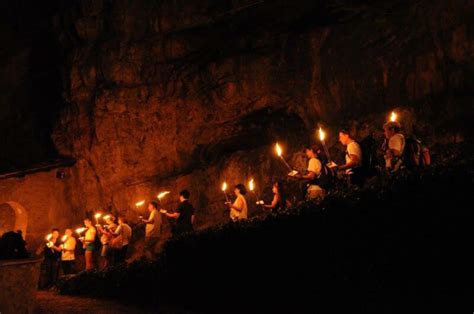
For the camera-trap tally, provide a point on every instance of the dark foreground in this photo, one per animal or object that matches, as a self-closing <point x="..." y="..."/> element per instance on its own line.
<point x="399" y="244"/>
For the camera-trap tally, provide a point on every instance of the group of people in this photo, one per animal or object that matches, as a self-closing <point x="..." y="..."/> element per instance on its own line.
<point x="115" y="238"/>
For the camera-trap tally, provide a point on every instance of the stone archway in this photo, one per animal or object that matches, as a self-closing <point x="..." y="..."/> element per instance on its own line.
<point x="13" y="217"/>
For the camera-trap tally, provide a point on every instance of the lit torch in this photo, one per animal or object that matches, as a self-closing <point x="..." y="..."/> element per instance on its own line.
<point x="80" y="230"/>
<point x="140" y="203"/>
<point x="322" y="137"/>
<point x="393" y="117"/>
<point x="48" y="237"/>
<point x="162" y="194"/>
<point x="280" y="154"/>
<point x="97" y="216"/>
<point x="106" y="217"/>
<point x="64" y="238"/>
<point x="224" y="188"/>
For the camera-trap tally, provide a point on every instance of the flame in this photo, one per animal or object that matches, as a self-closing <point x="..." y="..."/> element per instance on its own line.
<point x="251" y="185"/>
<point x="64" y="238"/>
<point x="140" y="203"/>
<point x="163" y="194"/>
<point x="278" y="150"/>
<point x="224" y="186"/>
<point x="98" y="215"/>
<point x="322" y="135"/>
<point x="80" y="230"/>
<point x="393" y="117"/>
<point x="106" y="217"/>
<point x="49" y="236"/>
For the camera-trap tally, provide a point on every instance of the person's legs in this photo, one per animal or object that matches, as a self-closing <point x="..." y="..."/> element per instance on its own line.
<point x="88" y="258"/>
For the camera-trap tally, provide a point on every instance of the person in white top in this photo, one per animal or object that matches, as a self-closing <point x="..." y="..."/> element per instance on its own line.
<point x="152" y="229"/>
<point x="238" y="209"/>
<point x="67" y="253"/>
<point x="314" y="191"/>
<point x="353" y="163"/>
<point x="125" y="233"/>
<point x="88" y="243"/>
<point x="394" y="146"/>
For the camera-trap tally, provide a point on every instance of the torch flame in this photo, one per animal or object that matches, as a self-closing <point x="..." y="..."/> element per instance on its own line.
<point x="278" y="150"/>
<point x="64" y="238"/>
<point x="48" y="237"/>
<point x="251" y="185"/>
<point x="163" y="194"/>
<point x="80" y="230"/>
<point x="106" y="217"/>
<point x="98" y="215"/>
<point x="224" y="186"/>
<point x="140" y="203"/>
<point x="322" y="135"/>
<point x="393" y="117"/>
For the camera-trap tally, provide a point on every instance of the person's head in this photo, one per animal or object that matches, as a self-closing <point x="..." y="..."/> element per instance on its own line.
<point x="344" y="136"/>
<point x="312" y="151"/>
<point x="184" y="195"/>
<point x="68" y="232"/>
<point x="391" y="128"/>
<point x="110" y="219"/>
<point x="240" y="189"/>
<point x="55" y="232"/>
<point x="277" y="187"/>
<point x="122" y="220"/>
<point x="87" y="222"/>
<point x="153" y="205"/>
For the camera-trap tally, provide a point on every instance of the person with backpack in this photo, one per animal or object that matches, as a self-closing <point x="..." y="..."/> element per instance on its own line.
<point x="394" y="146"/>
<point x="315" y="171"/>
<point x="416" y="154"/>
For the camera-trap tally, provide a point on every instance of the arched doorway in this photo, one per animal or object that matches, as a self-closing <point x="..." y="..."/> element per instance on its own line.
<point x="13" y="217"/>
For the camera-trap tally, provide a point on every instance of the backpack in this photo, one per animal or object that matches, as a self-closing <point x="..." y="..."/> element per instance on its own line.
<point x="325" y="178"/>
<point x="369" y="155"/>
<point x="416" y="154"/>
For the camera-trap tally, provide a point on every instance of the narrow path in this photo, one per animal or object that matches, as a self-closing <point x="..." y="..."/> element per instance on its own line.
<point x="51" y="302"/>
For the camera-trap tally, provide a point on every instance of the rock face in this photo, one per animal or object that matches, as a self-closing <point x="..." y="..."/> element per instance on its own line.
<point x="166" y="95"/>
<point x="171" y="95"/>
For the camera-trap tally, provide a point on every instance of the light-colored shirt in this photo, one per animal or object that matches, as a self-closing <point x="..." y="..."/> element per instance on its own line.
<point x="153" y="228"/>
<point x="126" y="232"/>
<point x="241" y="203"/>
<point x="68" y="248"/>
<point x="314" y="165"/>
<point x="397" y="142"/>
<point x="353" y="148"/>
<point x="90" y="234"/>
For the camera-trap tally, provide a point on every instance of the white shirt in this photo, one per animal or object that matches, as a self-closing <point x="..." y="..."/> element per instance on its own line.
<point x="397" y="142"/>
<point x="314" y="165"/>
<point x="126" y="232"/>
<point x="68" y="247"/>
<point x="353" y="148"/>
<point x="241" y="203"/>
<point x="153" y="228"/>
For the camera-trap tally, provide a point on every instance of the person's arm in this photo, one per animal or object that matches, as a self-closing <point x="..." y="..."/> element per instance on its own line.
<point x="354" y="162"/>
<point x="56" y="248"/>
<point x="237" y="205"/>
<point x="273" y="204"/>
<point x="151" y="218"/>
<point x="172" y="215"/>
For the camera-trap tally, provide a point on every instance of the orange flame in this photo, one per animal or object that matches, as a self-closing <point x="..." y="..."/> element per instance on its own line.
<point x="322" y="135"/>
<point x="48" y="237"/>
<point x="140" y="203"/>
<point x="163" y="194"/>
<point x="278" y="150"/>
<point x="80" y="230"/>
<point x="251" y="185"/>
<point x="64" y="238"/>
<point x="393" y="117"/>
<point x="224" y="186"/>
<point x="106" y="217"/>
<point x="98" y="215"/>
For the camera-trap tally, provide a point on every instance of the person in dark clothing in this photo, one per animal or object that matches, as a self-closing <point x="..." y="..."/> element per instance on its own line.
<point x="52" y="258"/>
<point x="184" y="215"/>
<point x="280" y="201"/>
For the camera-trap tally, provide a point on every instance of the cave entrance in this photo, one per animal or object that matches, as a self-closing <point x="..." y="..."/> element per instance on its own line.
<point x="13" y="217"/>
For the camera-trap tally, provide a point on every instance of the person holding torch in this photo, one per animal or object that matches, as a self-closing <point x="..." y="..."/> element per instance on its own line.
<point x="52" y="256"/>
<point x="152" y="229"/>
<point x="313" y="191"/>
<point x="394" y="144"/>
<point x="238" y="209"/>
<point x="67" y="252"/>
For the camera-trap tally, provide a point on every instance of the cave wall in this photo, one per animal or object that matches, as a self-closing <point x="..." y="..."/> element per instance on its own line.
<point x="40" y="201"/>
<point x="170" y="94"/>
